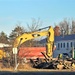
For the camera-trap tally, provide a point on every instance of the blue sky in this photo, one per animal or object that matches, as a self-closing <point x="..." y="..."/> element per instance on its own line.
<point x="49" y="12"/>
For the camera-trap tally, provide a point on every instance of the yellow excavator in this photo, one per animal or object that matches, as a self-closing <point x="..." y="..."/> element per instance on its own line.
<point x="2" y="54"/>
<point x="38" y="33"/>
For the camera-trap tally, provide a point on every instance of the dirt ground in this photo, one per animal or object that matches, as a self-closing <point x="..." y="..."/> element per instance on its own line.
<point x="28" y="67"/>
<point x="21" y="67"/>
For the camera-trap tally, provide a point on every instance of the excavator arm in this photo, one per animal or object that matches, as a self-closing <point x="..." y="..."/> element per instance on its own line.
<point x="32" y="35"/>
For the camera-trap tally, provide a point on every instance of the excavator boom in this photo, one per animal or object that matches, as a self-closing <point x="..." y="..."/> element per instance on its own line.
<point x="28" y="36"/>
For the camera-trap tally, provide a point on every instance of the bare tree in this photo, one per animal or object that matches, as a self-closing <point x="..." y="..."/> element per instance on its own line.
<point x="35" y="25"/>
<point x="64" y="27"/>
<point x="73" y="27"/>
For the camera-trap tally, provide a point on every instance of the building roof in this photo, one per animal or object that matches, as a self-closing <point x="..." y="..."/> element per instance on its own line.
<point x="61" y="38"/>
<point x="65" y="37"/>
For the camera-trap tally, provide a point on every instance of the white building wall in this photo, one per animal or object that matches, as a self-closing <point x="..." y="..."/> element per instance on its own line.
<point x="63" y="49"/>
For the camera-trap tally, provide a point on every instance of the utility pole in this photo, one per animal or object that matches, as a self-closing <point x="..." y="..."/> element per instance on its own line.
<point x="15" y="57"/>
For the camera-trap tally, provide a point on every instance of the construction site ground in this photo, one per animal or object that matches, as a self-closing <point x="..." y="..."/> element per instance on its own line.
<point x="27" y="67"/>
